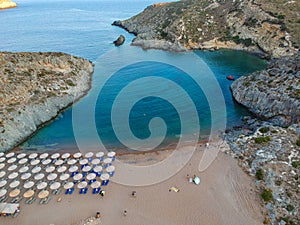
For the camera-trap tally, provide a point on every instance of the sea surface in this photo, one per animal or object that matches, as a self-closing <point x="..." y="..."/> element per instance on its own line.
<point x="83" y="28"/>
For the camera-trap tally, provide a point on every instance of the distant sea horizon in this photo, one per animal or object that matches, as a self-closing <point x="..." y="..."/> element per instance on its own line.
<point x="83" y="28"/>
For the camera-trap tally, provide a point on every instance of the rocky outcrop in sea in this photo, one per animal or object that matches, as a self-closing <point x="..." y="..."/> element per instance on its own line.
<point x="34" y="88"/>
<point x="272" y="94"/>
<point x="255" y="26"/>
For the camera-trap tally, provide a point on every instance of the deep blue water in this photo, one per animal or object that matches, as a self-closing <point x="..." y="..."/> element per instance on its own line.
<point x="83" y="28"/>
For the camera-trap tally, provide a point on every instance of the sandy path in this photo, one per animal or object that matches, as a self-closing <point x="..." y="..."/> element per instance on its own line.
<point x="224" y="197"/>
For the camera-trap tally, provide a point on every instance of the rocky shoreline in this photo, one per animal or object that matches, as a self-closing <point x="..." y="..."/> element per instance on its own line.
<point x="35" y="88"/>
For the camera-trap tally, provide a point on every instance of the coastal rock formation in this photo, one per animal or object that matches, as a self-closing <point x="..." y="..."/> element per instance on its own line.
<point x="6" y="4"/>
<point x="271" y="155"/>
<point x="34" y="88"/>
<point x="119" y="41"/>
<point x="267" y="28"/>
<point x="274" y="93"/>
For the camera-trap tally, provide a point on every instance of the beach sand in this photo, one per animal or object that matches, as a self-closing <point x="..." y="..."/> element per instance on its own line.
<point x="226" y="195"/>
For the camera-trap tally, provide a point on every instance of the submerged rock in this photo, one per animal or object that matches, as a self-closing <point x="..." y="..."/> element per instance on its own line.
<point x="120" y="40"/>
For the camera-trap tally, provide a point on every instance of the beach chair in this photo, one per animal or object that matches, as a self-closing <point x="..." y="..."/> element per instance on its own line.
<point x="16" y="214"/>
<point x="58" y="191"/>
<point x="81" y="191"/>
<point x="19" y="199"/>
<point x="48" y="200"/>
<point x="32" y="200"/>
<point x="71" y="191"/>
<point x="67" y="191"/>
<point x="85" y="190"/>
<point x="41" y="201"/>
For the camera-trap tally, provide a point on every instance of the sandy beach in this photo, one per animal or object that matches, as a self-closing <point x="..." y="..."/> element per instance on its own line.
<point x="226" y="195"/>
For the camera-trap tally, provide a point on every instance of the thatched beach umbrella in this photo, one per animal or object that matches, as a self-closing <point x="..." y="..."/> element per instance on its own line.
<point x="64" y="176"/>
<point x="65" y="156"/>
<point x="23" y="161"/>
<point x="13" y="175"/>
<point x="28" y="194"/>
<point x="91" y="176"/>
<point x="110" y="170"/>
<point x="21" y="156"/>
<point x="95" y="162"/>
<point x="111" y="155"/>
<point x="82" y="185"/>
<point x="72" y="161"/>
<point x="83" y="162"/>
<point x="52" y="176"/>
<point x="46" y="162"/>
<point x="59" y="162"/>
<point x="28" y="184"/>
<point x="3" y="183"/>
<point x="105" y="179"/>
<point x="14" y="184"/>
<point x="2" y="165"/>
<point x="100" y="155"/>
<point x="107" y="162"/>
<point x="34" y="162"/>
<point x="55" y="156"/>
<point x="50" y="169"/>
<point x="10" y="154"/>
<point x="11" y="160"/>
<point x="3" y="192"/>
<point x="1" y="154"/>
<point x="61" y="169"/>
<point x="39" y="176"/>
<point x="44" y="155"/>
<point x="36" y="169"/>
<point x="41" y="185"/>
<point x="89" y="155"/>
<point x="43" y="194"/>
<point x="78" y="176"/>
<point x="32" y="155"/>
<point x="23" y="169"/>
<point x="77" y="155"/>
<point x="25" y="176"/>
<point x="73" y="169"/>
<point x="2" y="159"/>
<point x="68" y="185"/>
<point x="96" y="184"/>
<point x="98" y="169"/>
<point x="55" y="186"/>
<point x="12" y="167"/>
<point x="86" y="169"/>
<point x="2" y="174"/>
<point x="14" y="193"/>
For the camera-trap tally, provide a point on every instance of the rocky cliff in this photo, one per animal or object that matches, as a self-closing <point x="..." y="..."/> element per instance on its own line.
<point x="274" y="93"/>
<point x="6" y="4"/>
<point x="269" y="28"/>
<point x="34" y="88"/>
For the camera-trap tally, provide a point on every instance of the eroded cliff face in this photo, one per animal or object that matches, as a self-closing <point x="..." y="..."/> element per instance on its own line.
<point x="272" y="94"/>
<point x="208" y="24"/>
<point x="6" y="4"/>
<point x="34" y="88"/>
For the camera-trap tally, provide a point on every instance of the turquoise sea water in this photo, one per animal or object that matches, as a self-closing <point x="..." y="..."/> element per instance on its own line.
<point x="83" y="28"/>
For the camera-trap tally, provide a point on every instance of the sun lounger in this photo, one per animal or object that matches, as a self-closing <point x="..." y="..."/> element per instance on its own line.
<point x="16" y="214"/>
<point x="85" y="190"/>
<point x="48" y="200"/>
<point x="19" y="199"/>
<point x="32" y="200"/>
<point x="67" y="191"/>
<point x="80" y="191"/>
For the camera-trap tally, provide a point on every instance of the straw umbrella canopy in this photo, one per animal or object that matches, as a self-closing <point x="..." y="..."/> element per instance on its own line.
<point x="11" y="160"/>
<point x="64" y="176"/>
<point x="68" y="185"/>
<point x="89" y="155"/>
<point x="110" y="169"/>
<point x="12" y="167"/>
<point x="91" y="176"/>
<point x="55" y="156"/>
<point x="55" y="186"/>
<point x="25" y="176"/>
<point x="107" y="161"/>
<point x="9" y="155"/>
<point x="39" y="176"/>
<point x="83" y="161"/>
<point x="82" y="185"/>
<point x="65" y="156"/>
<point x="13" y="175"/>
<point x="104" y="177"/>
<point x="14" y="184"/>
<point x="34" y="162"/>
<point x="41" y="185"/>
<point x="98" y="169"/>
<point x="2" y="159"/>
<point x="77" y="155"/>
<point x="14" y="193"/>
<point x="43" y="194"/>
<point x="95" y="161"/>
<point x="52" y="176"/>
<point x="23" y="169"/>
<point x="32" y="155"/>
<point x="23" y="161"/>
<point x="73" y="169"/>
<point x="46" y="162"/>
<point x="28" y="194"/>
<point x="1" y="154"/>
<point x="2" y="165"/>
<point x="3" y="183"/>
<point x="111" y="154"/>
<point x="3" y="192"/>
<point x="99" y="154"/>
<point x="21" y="155"/>
<point x="95" y="184"/>
<point x="59" y="162"/>
<point x="44" y="155"/>
<point x="86" y="169"/>
<point x="2" y="174"/>
<point x="36" y="169"/>
<point x="50" y="169"/>
<point x="72" y="161"/>
<point x="78" y="176"/>
<point x="61" y="169"/>
<point x="28" y="184"/>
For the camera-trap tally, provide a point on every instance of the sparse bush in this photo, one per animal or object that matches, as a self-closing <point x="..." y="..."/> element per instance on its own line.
<point x="267" y="195"/>
<point x="290" y="207"/>
<point x="259" y="174"/>
<point x="295" y="164"/>
<point x="298" y="143"/>
<point x="264" y="129"/>
<point x="260" y="140"/>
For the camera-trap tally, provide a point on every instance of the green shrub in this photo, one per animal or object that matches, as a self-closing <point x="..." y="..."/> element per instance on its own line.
<point x="289" y="207"/>
<point x="260" y="140"/>
<point x="70" y="82"/>
<point x="264" y="129"/>
<point x="267" y="195"/>
<point x="259" y="174"/>
<point x="295" y="164"/>
<point x="298" y="143"/>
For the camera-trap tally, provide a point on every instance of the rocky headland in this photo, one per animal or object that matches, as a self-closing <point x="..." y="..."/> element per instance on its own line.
<point x="34" y="88"/>
<point x="267" y="28"/>
<point x="6" y="4"/>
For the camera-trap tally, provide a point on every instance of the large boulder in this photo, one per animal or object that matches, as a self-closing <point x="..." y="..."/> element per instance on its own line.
<point x="120" y="40"/>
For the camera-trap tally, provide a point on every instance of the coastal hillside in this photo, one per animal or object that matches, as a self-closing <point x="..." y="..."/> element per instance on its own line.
<point x="6" y="4"/>
<point x="34" y="88"/>
<point x="274" y="93"/>
<point x="269" y="28"/>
